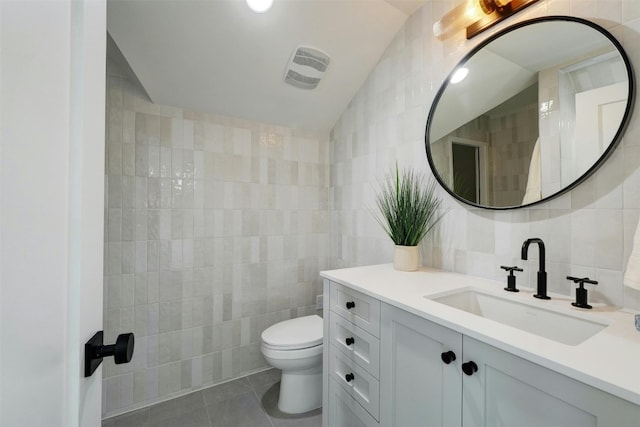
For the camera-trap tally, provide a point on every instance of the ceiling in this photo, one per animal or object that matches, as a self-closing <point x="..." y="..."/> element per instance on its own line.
<point x="218" y="56"/>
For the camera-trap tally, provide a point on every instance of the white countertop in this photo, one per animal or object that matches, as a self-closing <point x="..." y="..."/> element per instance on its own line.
<point x="609" y="360"/>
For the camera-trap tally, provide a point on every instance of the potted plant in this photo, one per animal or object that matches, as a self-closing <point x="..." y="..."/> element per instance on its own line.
<point x="408" y="207"/>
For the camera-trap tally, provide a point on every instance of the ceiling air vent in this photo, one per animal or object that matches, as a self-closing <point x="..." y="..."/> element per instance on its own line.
<point x="306" y="67"/>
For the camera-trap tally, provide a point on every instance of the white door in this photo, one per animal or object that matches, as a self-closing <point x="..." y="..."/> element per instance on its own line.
<point x="52" y="84"/>
<point x="599" y="113"/>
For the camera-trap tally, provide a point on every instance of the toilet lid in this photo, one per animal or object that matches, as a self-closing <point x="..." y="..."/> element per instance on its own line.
<point x="301" y="332"/>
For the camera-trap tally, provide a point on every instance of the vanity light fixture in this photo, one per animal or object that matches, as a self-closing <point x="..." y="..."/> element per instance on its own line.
<point x="259" y="6"/>
<point x="476" y="16"/>
<point x="459" y="75"/>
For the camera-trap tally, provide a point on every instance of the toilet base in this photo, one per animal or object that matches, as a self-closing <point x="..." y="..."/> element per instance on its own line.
<point x="300" y="391"/>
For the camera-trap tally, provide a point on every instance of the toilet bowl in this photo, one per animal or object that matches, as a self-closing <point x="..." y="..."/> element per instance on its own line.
<point x="295" y="347"/>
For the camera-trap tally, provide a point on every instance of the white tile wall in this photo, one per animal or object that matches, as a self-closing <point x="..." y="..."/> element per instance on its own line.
<point x="215" y="229"/>
<point x="587" y="232"/>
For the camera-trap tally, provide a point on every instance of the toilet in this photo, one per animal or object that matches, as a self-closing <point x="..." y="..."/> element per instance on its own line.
<point x="295" y="347"/>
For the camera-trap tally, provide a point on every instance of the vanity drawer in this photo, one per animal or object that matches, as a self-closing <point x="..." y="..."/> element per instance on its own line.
<point x="356" y="307"/>
<point x="357" y="344"/>
<point x="344" y="411"/>
<point x="360" y="384"/>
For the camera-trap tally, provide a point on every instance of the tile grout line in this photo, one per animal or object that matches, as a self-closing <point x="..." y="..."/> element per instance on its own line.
<point x="260" y="403"/>
<point x="204" y="402"/>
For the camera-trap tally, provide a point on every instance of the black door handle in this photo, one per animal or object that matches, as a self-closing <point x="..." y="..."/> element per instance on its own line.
<point x="95" y="351"/>
<point x="349" y="341"/>
<point x="350" y="305"/>
<point x="349" y="377"/>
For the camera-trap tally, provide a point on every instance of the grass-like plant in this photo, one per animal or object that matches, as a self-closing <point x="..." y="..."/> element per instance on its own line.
<point x="408" y="206"/>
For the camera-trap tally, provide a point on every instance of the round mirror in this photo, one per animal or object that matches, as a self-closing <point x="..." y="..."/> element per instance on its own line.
<point x="529" y="113"/>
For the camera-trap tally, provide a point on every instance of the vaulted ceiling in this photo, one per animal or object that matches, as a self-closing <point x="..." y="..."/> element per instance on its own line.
<point x="218" y="56"/>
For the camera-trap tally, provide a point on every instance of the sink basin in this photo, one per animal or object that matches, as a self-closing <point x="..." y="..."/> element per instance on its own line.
<point x="552" y="323"/>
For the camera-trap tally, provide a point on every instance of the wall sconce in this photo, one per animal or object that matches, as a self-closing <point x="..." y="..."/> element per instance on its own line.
<point x="476" y="16"/>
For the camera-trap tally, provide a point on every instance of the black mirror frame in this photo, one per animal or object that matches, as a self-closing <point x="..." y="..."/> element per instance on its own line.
<point x="616" y="139"/>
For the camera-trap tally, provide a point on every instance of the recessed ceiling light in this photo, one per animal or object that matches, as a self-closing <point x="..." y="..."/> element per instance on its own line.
<point x="260" y="6"/>
<point x="459" y="75"/>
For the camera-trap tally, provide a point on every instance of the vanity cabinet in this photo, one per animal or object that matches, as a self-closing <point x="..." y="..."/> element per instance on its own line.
<point x="408" y="371"/>
<point x="483" y="387"/>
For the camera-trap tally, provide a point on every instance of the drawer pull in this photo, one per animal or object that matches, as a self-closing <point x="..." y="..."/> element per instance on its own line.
<point x="448" y="357"/>
<point x="350" y="305"/>
<point x="349" y="340"/>
<point x="470" y="367"/>
<point x="349" y="377"/>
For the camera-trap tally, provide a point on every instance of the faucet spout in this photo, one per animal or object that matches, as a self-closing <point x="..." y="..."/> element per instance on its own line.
<point x="542" y="274"/>
<point x="525" y="250"/>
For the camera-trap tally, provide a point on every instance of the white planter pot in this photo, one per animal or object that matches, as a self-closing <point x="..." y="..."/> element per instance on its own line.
<point x="406" y="258"/>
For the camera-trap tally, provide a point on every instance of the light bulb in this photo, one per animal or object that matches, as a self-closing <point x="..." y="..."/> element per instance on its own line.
<point x="259" y="6"/>
<point x="462" y="16"/>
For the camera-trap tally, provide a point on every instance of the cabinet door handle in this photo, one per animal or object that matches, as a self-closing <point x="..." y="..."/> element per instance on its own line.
<point x="350" y="305"/>
<point x="349" y="340"/>
<point x="349" y="377"/>
<point x="469" y="367"/>
<point x="448" y="357"/>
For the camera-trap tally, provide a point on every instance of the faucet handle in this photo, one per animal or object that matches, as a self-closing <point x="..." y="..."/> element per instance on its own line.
<point x="511" y="279"/>
<point x="582" y="280"/>
<point x="581" y="292"/>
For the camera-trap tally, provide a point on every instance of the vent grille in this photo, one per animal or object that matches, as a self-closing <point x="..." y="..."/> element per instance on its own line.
<point x="298" y="80"/>
<point x="306" y="67"/>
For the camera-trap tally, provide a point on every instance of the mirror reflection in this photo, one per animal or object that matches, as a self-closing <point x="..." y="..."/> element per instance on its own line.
<point x="528" y="114"/>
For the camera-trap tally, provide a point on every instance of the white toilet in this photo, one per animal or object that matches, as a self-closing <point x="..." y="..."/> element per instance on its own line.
<point x="295" y="347"/>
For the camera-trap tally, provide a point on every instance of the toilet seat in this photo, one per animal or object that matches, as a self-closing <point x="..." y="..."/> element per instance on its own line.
<point x="301" y="353"/>
<point x="294" y="334"/>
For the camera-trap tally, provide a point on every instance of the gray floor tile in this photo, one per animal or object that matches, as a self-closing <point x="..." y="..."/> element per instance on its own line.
<point x="310" y="419"/>
<point x="138" y="418"/>
<point x="269" y="400"/>
<point x="247" y="402"/>
<point x="176" y="407"/>
<point x="196" y="418"/>
<point x="226" y="391"/>
<point x="264" y="379"/>
<point x="239" y="411"/>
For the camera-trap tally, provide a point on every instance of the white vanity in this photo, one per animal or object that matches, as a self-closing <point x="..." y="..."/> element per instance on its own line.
<point x="408" y="349"/>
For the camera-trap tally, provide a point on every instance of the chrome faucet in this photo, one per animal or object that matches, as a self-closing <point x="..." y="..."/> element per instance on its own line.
<point x="542" y="274"/>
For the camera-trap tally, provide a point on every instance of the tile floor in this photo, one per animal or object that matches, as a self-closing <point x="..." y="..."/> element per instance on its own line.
<point x="246" y="402"/>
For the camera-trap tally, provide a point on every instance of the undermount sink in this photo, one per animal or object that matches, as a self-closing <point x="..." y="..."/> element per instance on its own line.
<point x="552" y="323"/>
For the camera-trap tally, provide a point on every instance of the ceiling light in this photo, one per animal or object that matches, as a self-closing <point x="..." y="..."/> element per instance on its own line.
<point x="259" y="6"/>
<point x="459" y="75"/>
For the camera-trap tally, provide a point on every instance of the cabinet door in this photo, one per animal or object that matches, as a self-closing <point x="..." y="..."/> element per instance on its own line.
<point x="416" y="387"/>
<point x="509" y="391"/>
